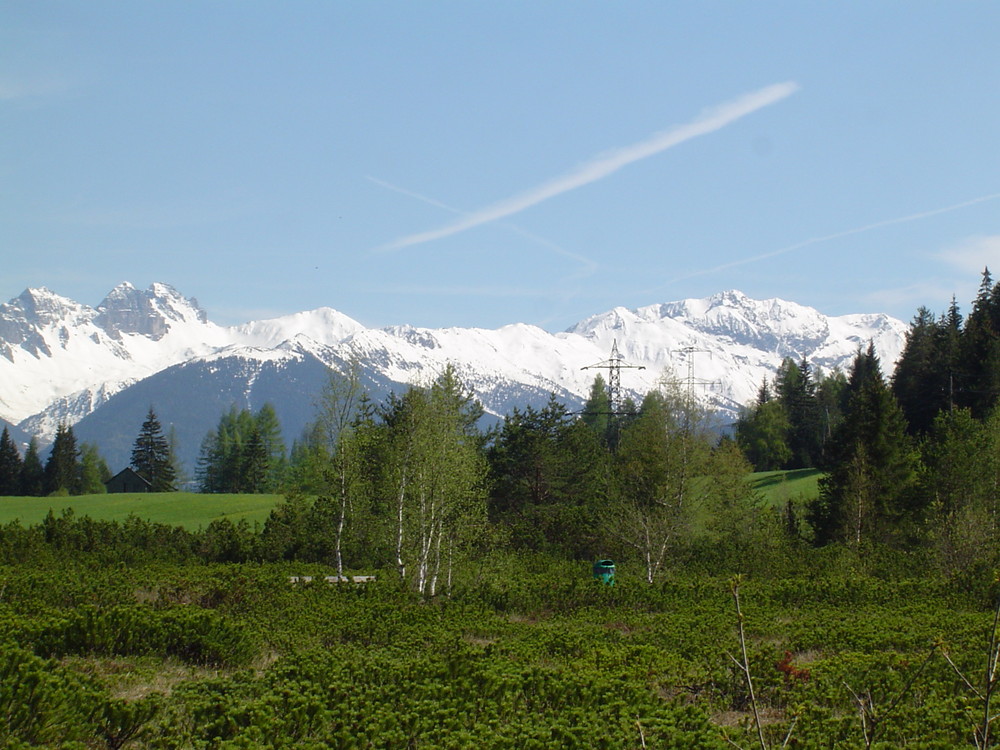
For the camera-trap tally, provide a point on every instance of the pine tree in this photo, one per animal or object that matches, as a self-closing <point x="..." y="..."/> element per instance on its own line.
<point x="254" y="463"/>
<point x="980" y="351"/>
<point x="962" y="460"/>
<point x="10" y="466"/>
<point x="597" y="411"/>
<point x="62" y="469"/>
<point x="831" y="401"/>
<point x="151" y="455"/>
<point x="922" y="382"/>
<point x="547" y="471"/>
<point x="866" y="494"/>
<point x="797" y="393"/>
<point x="267" y="424"/>
<point x="32" y="471"/>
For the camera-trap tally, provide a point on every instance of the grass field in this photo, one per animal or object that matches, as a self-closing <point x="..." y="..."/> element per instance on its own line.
<point x="193" y="510"/>
<point x="188" y="509"/>
<point x="778" y="487"/>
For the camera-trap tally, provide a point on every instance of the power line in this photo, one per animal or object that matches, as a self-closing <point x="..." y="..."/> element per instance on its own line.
<point x="691" y="381"/>
<point x="614" y="365"/>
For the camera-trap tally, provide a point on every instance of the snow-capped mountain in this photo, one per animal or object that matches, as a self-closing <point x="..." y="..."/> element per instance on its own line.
<point x="57" y="352"/>
<point x="101" y="368"/>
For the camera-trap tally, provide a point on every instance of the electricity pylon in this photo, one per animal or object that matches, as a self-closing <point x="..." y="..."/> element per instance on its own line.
<point x="614" y="366"/>
<point x="691" y="381"/>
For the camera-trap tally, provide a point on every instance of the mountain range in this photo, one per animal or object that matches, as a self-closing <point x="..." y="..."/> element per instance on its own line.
<point x="100" y="369"/>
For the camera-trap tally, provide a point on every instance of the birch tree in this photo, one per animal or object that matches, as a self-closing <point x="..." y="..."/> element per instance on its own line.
<point x="437" y="477"/>
<point x="661" y="466"/>
<point x="337" y="426"/>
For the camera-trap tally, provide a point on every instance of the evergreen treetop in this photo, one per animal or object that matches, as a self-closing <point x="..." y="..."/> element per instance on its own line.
<point x="10" y="466"/>
<point x="62" y="469"/>
<point x="151" y="455"/>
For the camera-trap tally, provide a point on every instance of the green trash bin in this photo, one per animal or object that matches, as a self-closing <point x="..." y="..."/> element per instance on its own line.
<point x="604" y="571"/>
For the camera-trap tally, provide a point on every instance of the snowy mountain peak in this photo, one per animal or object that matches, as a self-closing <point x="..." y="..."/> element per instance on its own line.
<point x="733" y="302"/>
<point x="323" y="325"/>
<point x="37" y="320"/>
<point x="616" y="321"/>
<point x="784" y="328"/>
<point x="148" y="313"/>
<point x="42" y="307"/>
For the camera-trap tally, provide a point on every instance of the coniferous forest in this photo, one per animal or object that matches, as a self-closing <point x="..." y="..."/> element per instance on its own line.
<point x="865" y="615"/>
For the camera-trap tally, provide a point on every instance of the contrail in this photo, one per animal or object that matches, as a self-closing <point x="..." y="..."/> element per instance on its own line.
<point x="604" y="165"/>
<point x="835" y="236"/>
<point x="587" y="266"/>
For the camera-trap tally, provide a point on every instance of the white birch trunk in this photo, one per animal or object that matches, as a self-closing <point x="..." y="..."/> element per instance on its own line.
<point x="451" y="558"/>
<point x="340" y="521"/>
<point x="400" y="565"/>
<point x="437" y="558"/>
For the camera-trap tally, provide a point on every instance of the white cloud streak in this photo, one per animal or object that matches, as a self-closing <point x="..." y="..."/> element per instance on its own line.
<point x="587" y="266"/>
<point x="602" y="166"/>
<point x="974" y="254"/>
<point x="836" y="236"/>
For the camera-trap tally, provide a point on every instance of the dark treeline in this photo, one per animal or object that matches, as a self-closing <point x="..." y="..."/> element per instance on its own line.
<point x="70" y="469"/>
<point x="948" y="364"/>
<point x="911" y="462"/>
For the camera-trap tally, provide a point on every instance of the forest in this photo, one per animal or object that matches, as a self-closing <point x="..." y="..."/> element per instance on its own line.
<point x="864" y="616"/>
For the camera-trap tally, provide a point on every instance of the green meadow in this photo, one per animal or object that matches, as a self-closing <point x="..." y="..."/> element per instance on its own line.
<point x="193" y="510"/>
<point x="190" y="510"/>
<point x="779" y="487"/>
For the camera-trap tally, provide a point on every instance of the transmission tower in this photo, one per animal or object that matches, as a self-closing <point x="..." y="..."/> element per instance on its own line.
<point x="614" y="366"/>
<point x="691" y="381"/>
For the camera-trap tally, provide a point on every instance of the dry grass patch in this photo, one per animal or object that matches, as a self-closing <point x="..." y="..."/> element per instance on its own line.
<point x="132" y="679"/>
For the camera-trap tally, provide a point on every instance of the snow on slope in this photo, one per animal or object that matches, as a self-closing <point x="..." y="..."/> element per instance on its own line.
<point x="728" y="343"/>
<point x="55" y="349"/>
<point x="60" y="360"/>
<point x="324" y="326"/>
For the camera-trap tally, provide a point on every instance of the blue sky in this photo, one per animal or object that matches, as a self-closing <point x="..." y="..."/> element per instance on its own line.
<point x="476" y="164"/>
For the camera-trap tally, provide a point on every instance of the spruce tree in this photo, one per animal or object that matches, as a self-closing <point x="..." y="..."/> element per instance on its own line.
<point x="267" y="424"/>
<point x="10" y="466"/>
<point x="915" y="381"/>
<point x="873" y="463"/>
<point x="151" y="455"/>
<point x="797" y="393"/>
<point x="240" y="441"/>
<point x="254" y="464"/>
<point x="924" y="380"/>
<point x="980" y="351"/>
<point x="32" y="471"/>
<point x="597" y="410"/>
<point x="62" y="469"/>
